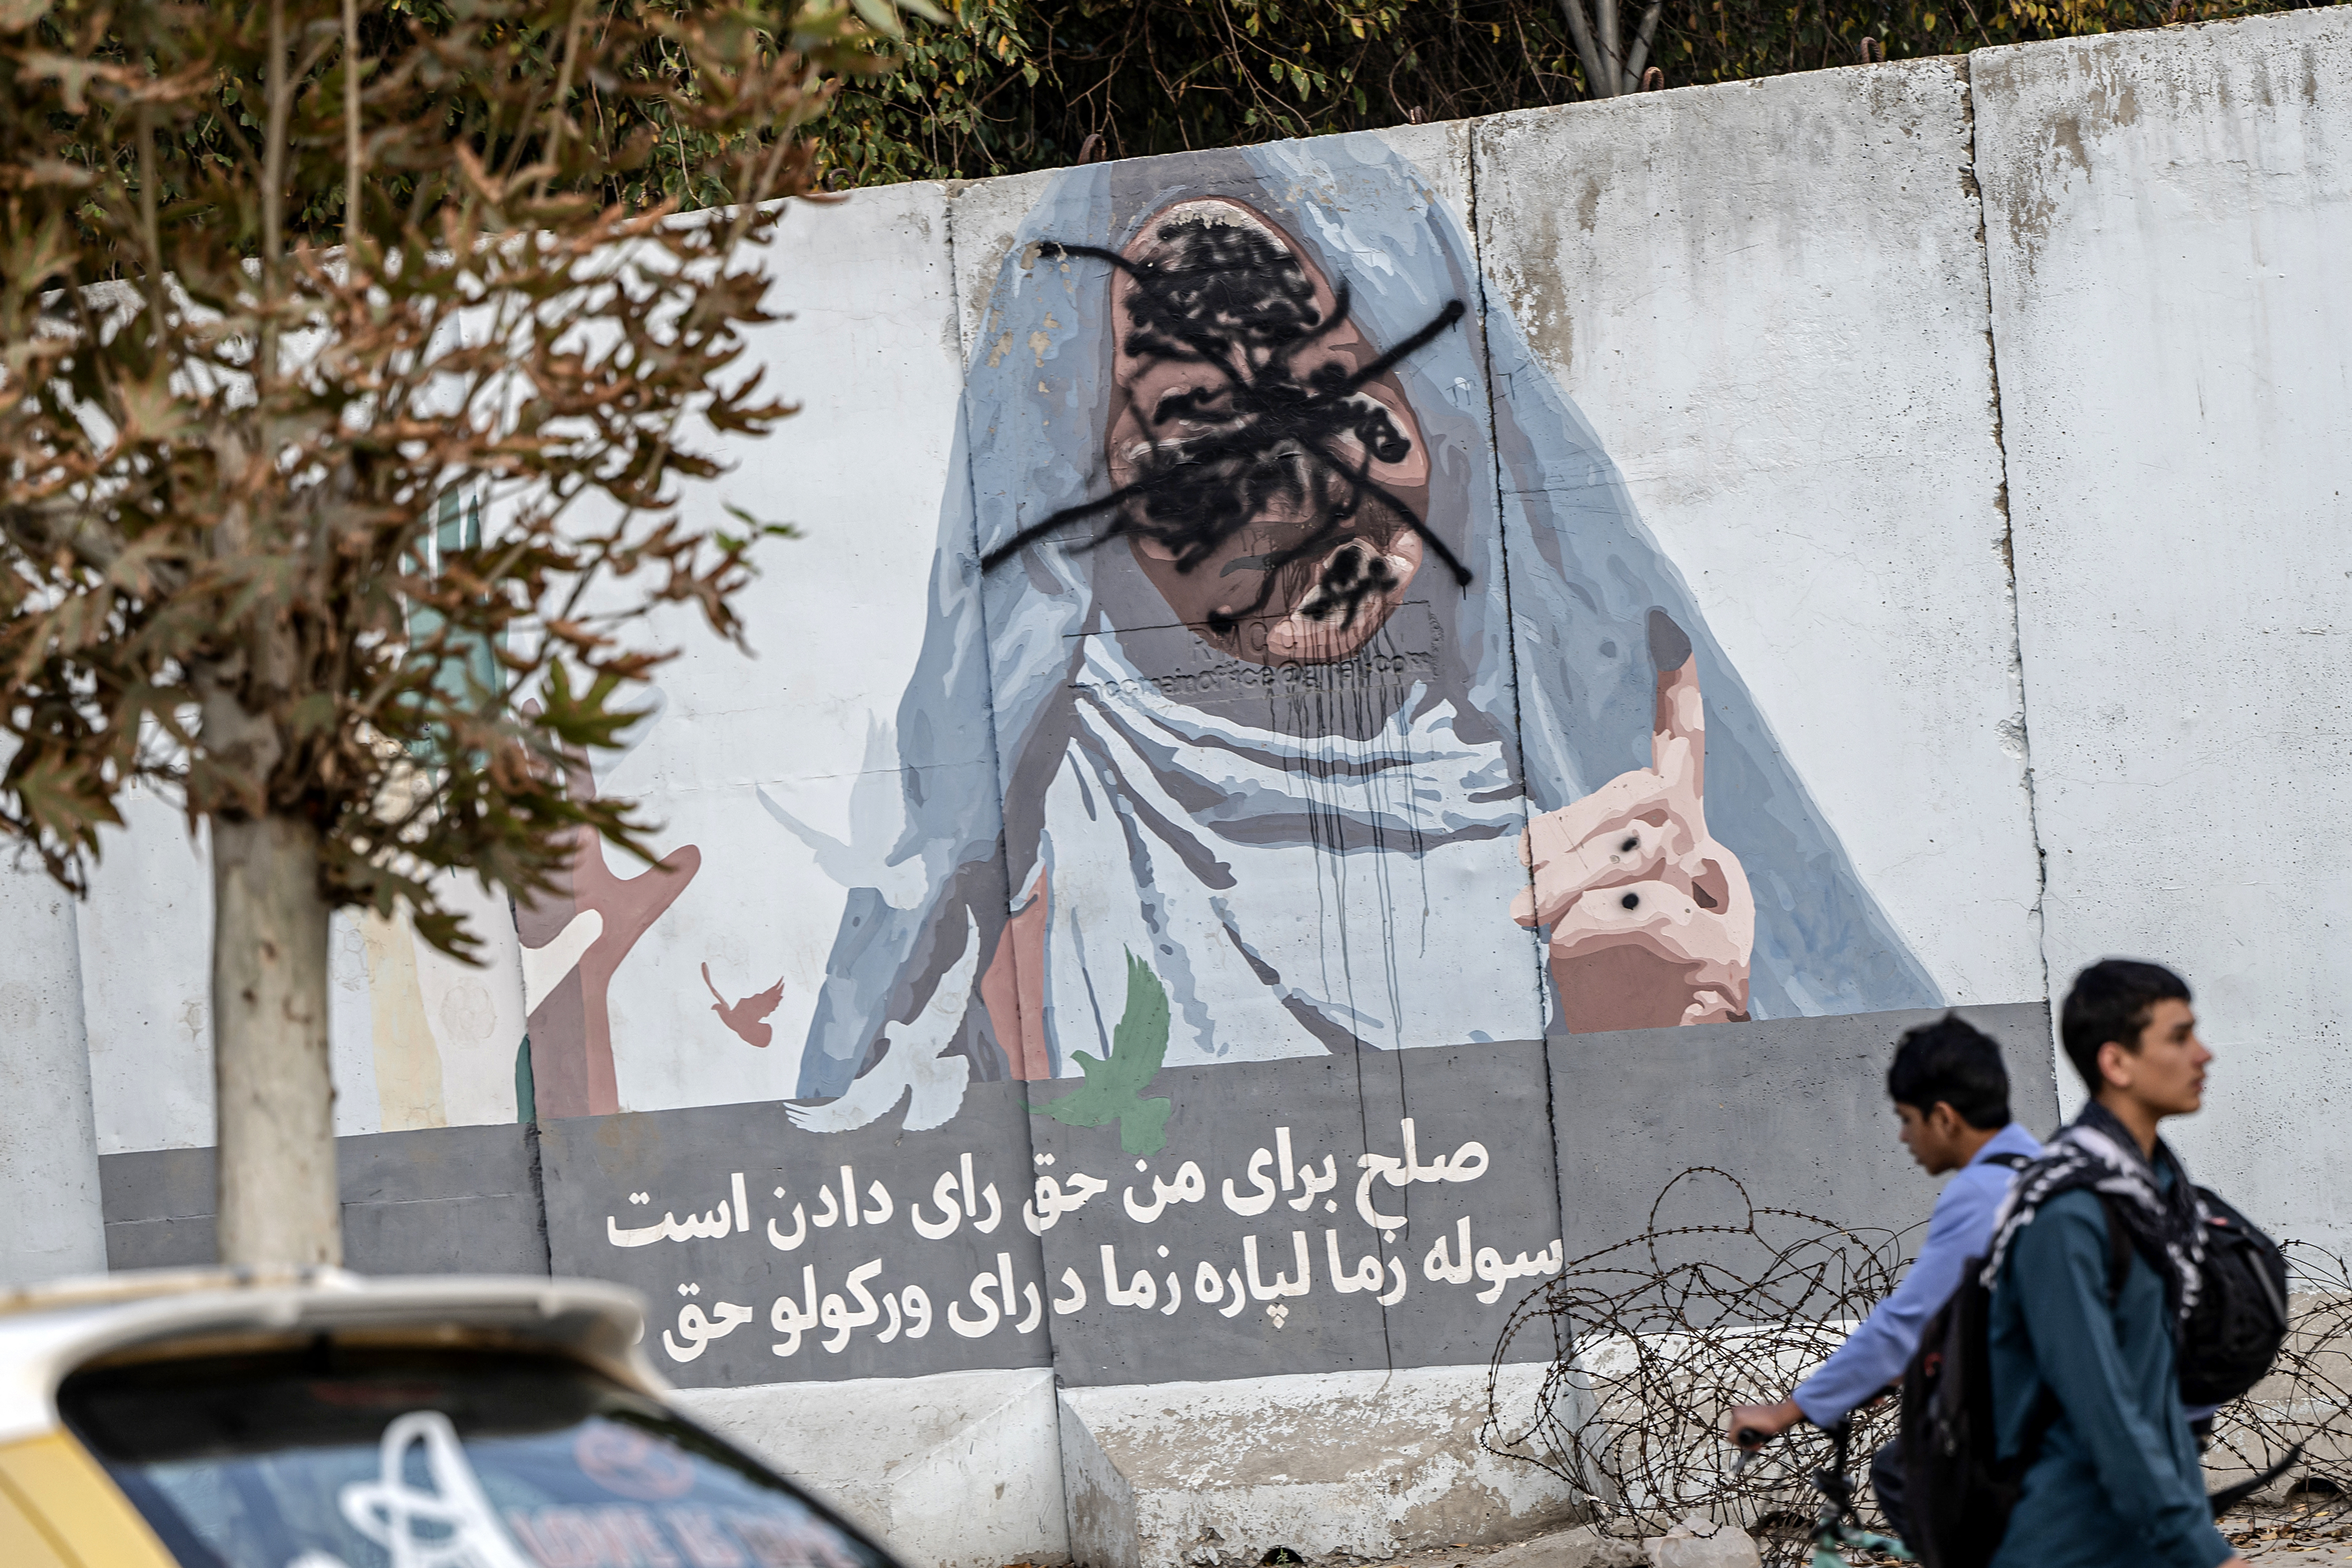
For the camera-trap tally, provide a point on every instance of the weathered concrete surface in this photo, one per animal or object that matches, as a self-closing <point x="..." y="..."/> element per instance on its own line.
<point x="441" y="1200"/>
<point x="2168" y="219"/>
<point x="1214" y="1475"/>
<point x="1795" y="1108"/>
<point x="415" y="1039"/>
<point x="50" y="1220"/>
<point x="145" y="931"/>
<point x="1584" y="1546"/>
<point x="1767" y="300"/>
<point x="961" y="1469"/>
<point x="1699" y="1543"/>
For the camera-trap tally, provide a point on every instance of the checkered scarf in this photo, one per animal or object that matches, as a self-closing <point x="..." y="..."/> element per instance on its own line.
<point x="2099" y="1153"/>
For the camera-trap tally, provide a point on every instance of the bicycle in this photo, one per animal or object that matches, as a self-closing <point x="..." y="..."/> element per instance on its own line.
<point x="1839" y="1524"/>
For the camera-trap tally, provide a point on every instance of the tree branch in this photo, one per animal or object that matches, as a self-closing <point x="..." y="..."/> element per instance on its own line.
<point x="1640" y="55"/>
<point x="1596" y="75"/>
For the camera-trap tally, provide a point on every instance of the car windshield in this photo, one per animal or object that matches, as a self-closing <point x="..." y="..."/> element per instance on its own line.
<point x="343" y="1457"/>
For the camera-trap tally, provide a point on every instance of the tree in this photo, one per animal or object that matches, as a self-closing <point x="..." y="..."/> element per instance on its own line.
<point x="1609" y="68"/>
<point x="235" y="558"/>
<point x="1004" y="86"/>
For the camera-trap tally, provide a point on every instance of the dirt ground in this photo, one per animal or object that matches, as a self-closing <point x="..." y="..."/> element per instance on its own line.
<point x="2313" y="1531"/>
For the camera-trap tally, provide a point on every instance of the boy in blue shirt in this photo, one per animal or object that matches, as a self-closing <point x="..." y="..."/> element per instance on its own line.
<point x="1952" y="1093"/>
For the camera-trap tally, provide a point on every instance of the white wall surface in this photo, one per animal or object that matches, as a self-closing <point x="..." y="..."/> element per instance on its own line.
<point x="2169" y="218"/>
<point x="1769" y="300"/>
<point x="416" y="1039"/>
<point x="49" y="1220"/>
<point x="961" y="1469"/>
<point x="870" y="351"/>
<point x="146" y="981"/>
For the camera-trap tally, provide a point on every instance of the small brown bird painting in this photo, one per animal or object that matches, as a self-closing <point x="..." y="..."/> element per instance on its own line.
<point x="747" y="1018"/>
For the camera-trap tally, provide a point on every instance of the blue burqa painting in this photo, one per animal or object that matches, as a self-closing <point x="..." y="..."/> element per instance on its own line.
<point x="1291" y="635"/>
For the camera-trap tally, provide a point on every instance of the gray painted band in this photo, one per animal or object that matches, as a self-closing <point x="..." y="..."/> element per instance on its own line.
<point x="1797" y="1109"/>
<point x="1239" y="1238"/>
<point x="433" y="1200"/>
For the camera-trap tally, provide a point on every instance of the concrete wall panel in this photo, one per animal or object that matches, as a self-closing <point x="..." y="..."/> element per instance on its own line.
<point x="1767" y="300"/>
<point x="415" y="1039"/>
<point x="776" y="778"/>
<point x="444" y="1200"/>
<point x="1796" y="1111"/>
<point x="773" y="1254"/>
<point x="2168" y="218"/>
<point x="1357" y="1464"/>
<point x="146" y="968"/>
<point x="950" y="1470"/>
<point x="1051" y="871"/>
<point x="51" y="1221"/>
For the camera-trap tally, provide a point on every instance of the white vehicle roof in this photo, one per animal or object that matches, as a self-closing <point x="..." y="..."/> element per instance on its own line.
<point x="49" y="1331"/>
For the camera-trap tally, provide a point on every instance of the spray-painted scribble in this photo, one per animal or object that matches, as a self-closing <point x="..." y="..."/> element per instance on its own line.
<point x="1243" y="409"/>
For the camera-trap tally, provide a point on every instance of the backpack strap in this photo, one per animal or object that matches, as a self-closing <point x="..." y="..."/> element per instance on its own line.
<point x="2012" y="1161"/>
<point x="2120" y="1251"/>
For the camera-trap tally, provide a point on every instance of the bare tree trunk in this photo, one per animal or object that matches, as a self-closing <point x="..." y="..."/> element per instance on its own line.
<point x="1597" y="80"/>
<point x="1613" y="50"/>
<point x="1609" y="70"/>
<point x="276" y="1100"/>
<point x="1640" y="55"/>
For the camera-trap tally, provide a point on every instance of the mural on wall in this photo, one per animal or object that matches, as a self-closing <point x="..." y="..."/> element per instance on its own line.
<point x="1291" y="699"/>
<point x="1351" y="738"/>
<point x="573" y="939"/>
<point x="1305" y="764"/>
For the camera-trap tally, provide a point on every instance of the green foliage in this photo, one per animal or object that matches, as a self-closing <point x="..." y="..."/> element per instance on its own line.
<point x="638" y="101"/>
<point x="1009" y="85"/>
<point x="239" y="558"/>
<point x="1114" y="1088"/>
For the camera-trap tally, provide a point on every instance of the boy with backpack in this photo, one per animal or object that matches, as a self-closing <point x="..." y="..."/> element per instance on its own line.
<point x="2083" y="1323"/>
<point x="1952" y="1093"/>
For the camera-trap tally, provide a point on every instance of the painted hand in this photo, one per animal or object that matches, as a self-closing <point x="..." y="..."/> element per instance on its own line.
<point x="1651" y="920"/>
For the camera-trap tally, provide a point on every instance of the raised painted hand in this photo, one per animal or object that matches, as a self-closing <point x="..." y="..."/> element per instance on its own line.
<point x="1651" y="920"/>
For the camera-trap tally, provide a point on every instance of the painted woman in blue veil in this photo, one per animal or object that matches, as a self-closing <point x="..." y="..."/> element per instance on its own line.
<point x="1325" y="672"/>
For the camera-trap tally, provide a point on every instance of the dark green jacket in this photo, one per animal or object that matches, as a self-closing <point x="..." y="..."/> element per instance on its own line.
<point x="2117" y="1483"/>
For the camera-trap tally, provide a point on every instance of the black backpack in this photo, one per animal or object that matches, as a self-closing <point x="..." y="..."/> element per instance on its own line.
<point x="1958" y="1493"/>
<point x="2240" y="1320"/>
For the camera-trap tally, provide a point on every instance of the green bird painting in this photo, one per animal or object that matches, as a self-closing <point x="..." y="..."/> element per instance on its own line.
<point x="1115" y="1084"/>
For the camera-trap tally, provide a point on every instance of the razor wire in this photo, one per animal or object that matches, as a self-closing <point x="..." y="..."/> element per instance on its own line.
<point x="1647" y="1344"/>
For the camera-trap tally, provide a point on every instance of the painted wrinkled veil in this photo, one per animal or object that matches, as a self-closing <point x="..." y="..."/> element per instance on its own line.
<point x="1533" y="507"/>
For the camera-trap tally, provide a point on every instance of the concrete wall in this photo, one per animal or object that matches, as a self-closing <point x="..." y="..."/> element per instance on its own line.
<point x="2168" y="224"/>
<point x="1079" y="1060"/>
<point x="50" y="1214"/>
<point x="1769" y="301"/>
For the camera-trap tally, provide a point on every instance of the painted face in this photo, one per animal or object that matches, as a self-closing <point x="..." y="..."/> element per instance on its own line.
<point x="1278" y="489"/>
